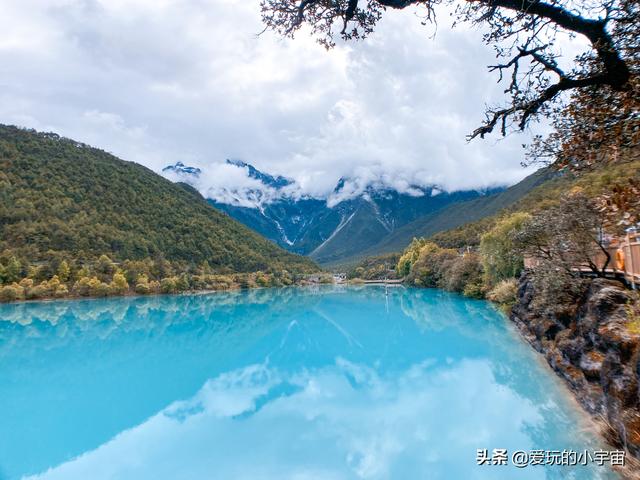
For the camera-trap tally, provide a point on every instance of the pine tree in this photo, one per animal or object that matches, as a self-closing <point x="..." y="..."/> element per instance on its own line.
<point x="64" y="271"/>
<point x="13" y="271"/>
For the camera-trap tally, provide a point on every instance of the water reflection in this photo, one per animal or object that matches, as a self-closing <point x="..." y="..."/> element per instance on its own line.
<point x="291" y="383"/>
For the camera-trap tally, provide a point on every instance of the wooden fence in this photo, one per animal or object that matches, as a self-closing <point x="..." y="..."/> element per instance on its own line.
<point x="624" y="263"/>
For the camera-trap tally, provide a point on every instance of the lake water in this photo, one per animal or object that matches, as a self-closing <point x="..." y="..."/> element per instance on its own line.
<point x="296" y="383"/>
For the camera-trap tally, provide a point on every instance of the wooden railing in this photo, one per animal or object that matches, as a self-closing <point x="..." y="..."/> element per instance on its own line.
<point x="624" y="259"/>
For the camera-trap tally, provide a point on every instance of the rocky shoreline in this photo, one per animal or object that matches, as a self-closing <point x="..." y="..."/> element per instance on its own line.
<point x="589" y="343"/>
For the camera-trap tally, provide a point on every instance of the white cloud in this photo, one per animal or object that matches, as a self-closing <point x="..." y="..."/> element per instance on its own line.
<point x="366" y="425"/>
<point x="160" y="81"/>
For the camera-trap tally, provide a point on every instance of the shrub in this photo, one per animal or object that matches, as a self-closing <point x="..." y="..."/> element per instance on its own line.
<point x="61" y="291"/>
<point x="142" y="285"/>
<point x="37" y="291"/>
<point x="10" y="293"/>
<point x="183" y="282"/>
<point x="91" y="287"/>
<point x="220" y="282"/>
<point x="81" y="287"/>
<point x="474" y="289"/>
<point x="53" y="284"/>
<point x="135" y="268"/>
<point x="11" y="272"/>
<point x="83" y="273"/>
<point x="168" y="285"/>
<point x="98" y="288"/>
<point x="46" y="288"/>
<point x="429" y="267"/>
<point x="263" y="280"/>
<point x="154" y="286"/>
<point x="119" y="284"/>
<point x="500" y="259"/>
<point x="504" y="292"/>
<point x="463" y="271"/>
<point x="105" y="266"/>
<point x="64" y="271"/>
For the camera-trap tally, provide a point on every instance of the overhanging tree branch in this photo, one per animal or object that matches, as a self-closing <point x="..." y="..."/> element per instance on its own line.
<point x="527" y="109"/>
<point x="530" y="26"/>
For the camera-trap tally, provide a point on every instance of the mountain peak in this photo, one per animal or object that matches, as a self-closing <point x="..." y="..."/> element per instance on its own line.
<point x="181" y="169"/>
<point x="269" y="180"/>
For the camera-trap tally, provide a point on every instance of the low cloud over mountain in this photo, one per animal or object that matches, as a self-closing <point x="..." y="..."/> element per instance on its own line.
<point x="201" y="85"/>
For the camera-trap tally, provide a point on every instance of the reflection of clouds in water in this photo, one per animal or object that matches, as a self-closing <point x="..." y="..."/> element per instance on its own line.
<point x="341" y="421"/>
<point x="339" y="387"/>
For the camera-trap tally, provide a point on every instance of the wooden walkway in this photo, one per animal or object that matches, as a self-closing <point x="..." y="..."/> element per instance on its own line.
<point x="383" y="282"/>
<point x="624" y="260"/>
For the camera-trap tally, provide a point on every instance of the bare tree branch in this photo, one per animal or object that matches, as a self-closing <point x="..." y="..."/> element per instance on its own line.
<point x="526" y="27"/>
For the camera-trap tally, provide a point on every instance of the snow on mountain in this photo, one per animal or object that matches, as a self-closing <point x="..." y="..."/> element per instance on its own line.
<point x="356" y="215"/>
<point x="180" y="169"/>
<point x="233" y="183"/>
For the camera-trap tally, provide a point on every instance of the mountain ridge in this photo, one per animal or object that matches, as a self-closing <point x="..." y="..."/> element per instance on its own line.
<point x="61" y="199"/>
<point x="340" y="226"/>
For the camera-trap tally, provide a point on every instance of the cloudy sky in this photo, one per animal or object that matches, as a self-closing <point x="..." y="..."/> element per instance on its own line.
<point x="160" y="81"/>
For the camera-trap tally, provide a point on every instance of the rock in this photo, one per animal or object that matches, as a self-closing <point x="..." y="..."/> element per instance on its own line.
<point x="525" y="291"/>
<point x="565" y="314"/>
<point x="618" y="379"/>
<point x="614" y="335"/>
<point x="631" y="422"/>
<point x="571" y="346"/>
<point x="605" y="297"/>
<point x="591" y="364"/>
<point x="545" y="328"/>
<point x="588" y="343"/>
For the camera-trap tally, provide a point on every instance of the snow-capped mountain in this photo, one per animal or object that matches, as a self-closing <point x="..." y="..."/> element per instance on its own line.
<point x="264" y="178"/>
<point x="328" y="229"/>
<point x="181" y="169"/>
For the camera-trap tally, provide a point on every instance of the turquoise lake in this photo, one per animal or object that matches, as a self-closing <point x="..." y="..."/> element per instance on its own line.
<point x="296" y="383"/>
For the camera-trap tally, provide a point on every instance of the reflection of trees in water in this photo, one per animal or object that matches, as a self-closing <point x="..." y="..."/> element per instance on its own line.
<point x="232" y="321"/>
<point x="513" y="363"/>
<point x="437" y="310"/>
<point x="56" y="322"/>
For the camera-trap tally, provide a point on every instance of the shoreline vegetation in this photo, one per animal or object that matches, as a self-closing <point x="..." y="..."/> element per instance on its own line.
<point x="586" y="326"/>
<point x="560" y="224"/>
<point x="105" y="278"/>
<point x="76" y="221"/>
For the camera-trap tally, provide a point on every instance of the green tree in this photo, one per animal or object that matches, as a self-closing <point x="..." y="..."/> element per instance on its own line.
<point x="205" y="268"/>
<point x="97" y="204"/>
<point x="13" y="271"/>
<point x="501" y="260"/>
<point x="183" y="283"/>
<point x="142" y="284"/>
<point x="169" y="285"/>
<point x="84" y="272"/>
<point x="105" y="266"/>
<point x="64" y="272"/>
<point x="119" y="284"/>
<point x="409" y="256"/>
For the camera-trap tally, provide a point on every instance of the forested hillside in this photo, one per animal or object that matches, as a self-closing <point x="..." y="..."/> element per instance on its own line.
<point x="64" y="201"/>
<point x="562" y="223"/>
<point x="460" y="213"/>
